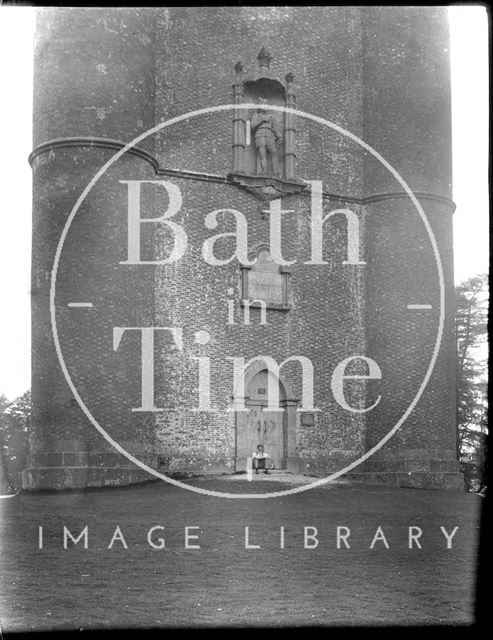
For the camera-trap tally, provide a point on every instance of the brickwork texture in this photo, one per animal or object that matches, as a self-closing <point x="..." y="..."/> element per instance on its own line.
<point x="104" y="76"/>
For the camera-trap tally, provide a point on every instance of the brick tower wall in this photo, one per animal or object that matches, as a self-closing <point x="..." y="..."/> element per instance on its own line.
<point x="407" y="117"/>
<point x="93" y="82"/>
<point x="104" y="76"/>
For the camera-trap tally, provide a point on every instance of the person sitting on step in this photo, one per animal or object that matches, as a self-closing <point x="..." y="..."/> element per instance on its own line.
<point x="259" y="459"/>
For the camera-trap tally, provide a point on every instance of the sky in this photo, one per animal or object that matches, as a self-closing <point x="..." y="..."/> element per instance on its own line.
<point x="469" y="79"/>
<point x="469" y="63"/>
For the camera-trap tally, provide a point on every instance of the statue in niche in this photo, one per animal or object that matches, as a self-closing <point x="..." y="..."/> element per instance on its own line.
<point x="264" y="145"/>
<point x="267" y="140"/>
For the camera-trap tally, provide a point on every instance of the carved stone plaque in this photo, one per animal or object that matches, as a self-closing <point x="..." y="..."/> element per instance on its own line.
<point x="265" y="286"/>
<point x="264" y="280"/>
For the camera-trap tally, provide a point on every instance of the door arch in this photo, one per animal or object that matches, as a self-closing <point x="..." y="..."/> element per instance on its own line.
<point x="276" y="430"/>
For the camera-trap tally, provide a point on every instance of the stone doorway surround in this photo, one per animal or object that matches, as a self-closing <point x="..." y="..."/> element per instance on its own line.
<point x="287" y="402"/>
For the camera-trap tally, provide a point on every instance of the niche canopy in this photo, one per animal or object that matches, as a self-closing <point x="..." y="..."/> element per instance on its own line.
<point x="264" y="153"/>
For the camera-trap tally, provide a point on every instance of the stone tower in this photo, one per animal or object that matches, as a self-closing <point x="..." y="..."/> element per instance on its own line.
<point x="105" y="76"/>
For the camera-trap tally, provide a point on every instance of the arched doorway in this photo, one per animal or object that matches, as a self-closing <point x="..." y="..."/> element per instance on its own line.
<point x="258" y="425"/>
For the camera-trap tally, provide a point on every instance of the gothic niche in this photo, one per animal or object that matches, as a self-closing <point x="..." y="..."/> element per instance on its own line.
<point x="264" y="151"/>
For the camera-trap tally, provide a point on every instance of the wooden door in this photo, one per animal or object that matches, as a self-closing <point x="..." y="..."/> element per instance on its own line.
<point x="258" y="425"/>
<point x="273" y="436"/>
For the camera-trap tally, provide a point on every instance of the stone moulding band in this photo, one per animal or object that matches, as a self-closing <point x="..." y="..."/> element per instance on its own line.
<point x="102" y="143"/>
<point x="116" y="145"/>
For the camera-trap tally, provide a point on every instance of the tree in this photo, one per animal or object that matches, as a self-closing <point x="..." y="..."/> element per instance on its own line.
<point x="14" y="427"/>
<point x="4" y="481"/>
<point x="4" y="402"/>
<point x="471" y="332"/>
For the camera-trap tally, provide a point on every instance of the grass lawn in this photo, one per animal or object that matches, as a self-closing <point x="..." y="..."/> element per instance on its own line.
<point x="224" y="583"/>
